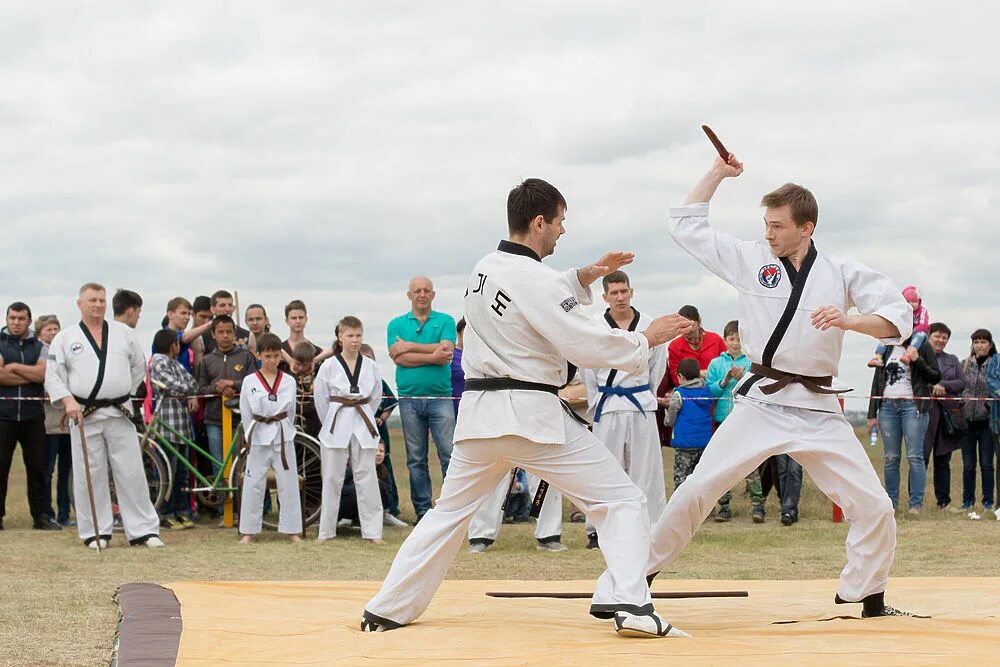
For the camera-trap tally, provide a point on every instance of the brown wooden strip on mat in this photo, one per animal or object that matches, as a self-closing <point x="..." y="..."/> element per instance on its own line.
<point x="149" y="632"/>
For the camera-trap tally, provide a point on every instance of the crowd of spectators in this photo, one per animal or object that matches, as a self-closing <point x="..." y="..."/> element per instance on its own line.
<point x="926" y="403"/>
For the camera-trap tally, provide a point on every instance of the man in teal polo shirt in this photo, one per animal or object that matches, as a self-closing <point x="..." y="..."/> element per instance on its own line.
<point x="421" y="344"/>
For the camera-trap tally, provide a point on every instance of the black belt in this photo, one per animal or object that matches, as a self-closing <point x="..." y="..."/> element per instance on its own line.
<point x="506" y="384"/>
<point x="90" y="406"/>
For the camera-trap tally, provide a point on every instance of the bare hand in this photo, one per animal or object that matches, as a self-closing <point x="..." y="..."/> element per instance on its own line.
<point x="192" y="405"/>
<point x="825" y="317"/>
<point x="871" y="423"/>
<point x="222" y="385"/>
<point x="913" y="353"/>
<point x="730" y="168"/>
<point x="73" y="412"/>
<point x="667" y="327"/>
<point x="229" y="392"/>
<point x="612" y="261"/>
<point x="398" y="348"/>
<point x="737" y="372"/>
<point x="938" y="390"/>
<point x="442" y="355"/>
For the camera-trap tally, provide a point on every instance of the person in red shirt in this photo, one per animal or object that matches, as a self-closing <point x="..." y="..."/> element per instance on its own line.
<point x="700" y="345"/>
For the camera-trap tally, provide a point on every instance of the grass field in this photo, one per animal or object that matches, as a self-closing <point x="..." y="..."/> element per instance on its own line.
<point x="57" y="607"/>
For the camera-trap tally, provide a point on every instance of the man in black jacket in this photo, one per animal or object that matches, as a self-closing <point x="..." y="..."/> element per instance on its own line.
<point x="901" y="388"/>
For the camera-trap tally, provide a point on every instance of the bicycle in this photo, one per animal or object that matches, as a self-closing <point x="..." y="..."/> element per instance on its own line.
<point x="213" y="492"/>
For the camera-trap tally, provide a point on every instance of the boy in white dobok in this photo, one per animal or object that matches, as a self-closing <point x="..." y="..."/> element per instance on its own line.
<point x="267" y="409"/>
<point x="347" y="392"/>
<point x="624" y="404"/>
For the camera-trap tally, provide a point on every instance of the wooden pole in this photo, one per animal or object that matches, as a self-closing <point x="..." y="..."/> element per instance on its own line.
<point x="671" y="595"/>
<point x="227" y="443"/>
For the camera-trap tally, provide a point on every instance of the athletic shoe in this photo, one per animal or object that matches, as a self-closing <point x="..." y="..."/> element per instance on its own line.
<point x="592" y="541"/>
<point x="117" y="523"/>
<point x="68" y="523"/>
<point x="171" y="523"/>
<point x="724" y="515"/>
<point x="94" y="543"/>
<point x="184" y="522"/>
<point x="46" y="524"/>
<point x="758" y="514"/>
<point x="393" y="522"/>
<point x="891" y="611"/>
<point x="551" y="546"/>
<point x="154" y="542"/>
<point x="478" y="548"/>
<point x="913" y="510"/>
<point x="645" y="625"/>
<point x="344" y="523"/>
<point x="787" y="519"/>
<point x="372" y="623"/>
<point x="972" y="515"/>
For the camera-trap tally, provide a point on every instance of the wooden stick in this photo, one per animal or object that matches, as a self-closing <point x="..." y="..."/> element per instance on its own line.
<point x="723" y="153"/>
<point x="90" y="486"/>
<point x="672" y="595"/>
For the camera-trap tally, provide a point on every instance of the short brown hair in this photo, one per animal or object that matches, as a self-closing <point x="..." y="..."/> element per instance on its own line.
<point x="269" y="343"/>
<point x="350" y="322"/>
<point x="732" y="327"/>
<point x="43" y="321"/>
<point x="295" y="304"/>
<point x="801" y="202"/>
<point x="689" y="369"/>
<point x="615" y="277"/>
<point x="178" y="302"/>
<point x="303" y="352"/>
<point x="97" y="287"/>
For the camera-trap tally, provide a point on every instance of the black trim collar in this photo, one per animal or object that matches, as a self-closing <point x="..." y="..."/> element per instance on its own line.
<point x="614" y="325"/>
<point x="793" y="273"/>
<point x="518" y="249"/>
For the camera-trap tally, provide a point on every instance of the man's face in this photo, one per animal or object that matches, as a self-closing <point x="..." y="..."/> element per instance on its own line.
<point x="296" y="321"/>
<point x="351" y="339"/>
<point x="551" y="231"/>
<point x="619" y="298"/>
<point x="734" y="345"/>
<point x="256" y="321"/>
<point x="179" y="319"/>
<point x="202" y="316"/>
<point x="269" y="360"/>
<point x="225" y="336"/>
<point x="93" y="304"/>
<point x="781" y="232"/>
<point x="223" y="306"/>
<point x="131" y="316"/>
<point x="421" y="294"/>
<point x="693" y="335"/>
<point x="18" y="322"/>
<point x="48" y="332"/>
<point x="939" y="340"/>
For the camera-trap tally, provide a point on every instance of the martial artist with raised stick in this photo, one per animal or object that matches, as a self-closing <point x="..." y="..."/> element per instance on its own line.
<point x="525" y="328"/>
<point x="794" y="310"/>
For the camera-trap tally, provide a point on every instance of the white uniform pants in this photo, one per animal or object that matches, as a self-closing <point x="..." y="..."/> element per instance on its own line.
<point x="582" y="469"/>
<point x="260" y="458"/>
<point x="112" y="442"/>
<point x="485" y="524"/>
<point x="825" y="445"/>
<point x="334" y="466"/>
<point x="635" y="443"/>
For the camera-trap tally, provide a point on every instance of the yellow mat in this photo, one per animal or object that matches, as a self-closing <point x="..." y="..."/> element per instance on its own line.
<point x="316" y="623"/>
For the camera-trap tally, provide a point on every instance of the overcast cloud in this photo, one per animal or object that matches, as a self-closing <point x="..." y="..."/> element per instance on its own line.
<point x="330" y="151"/>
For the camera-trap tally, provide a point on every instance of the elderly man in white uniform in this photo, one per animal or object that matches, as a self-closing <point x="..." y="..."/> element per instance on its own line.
<point x="524" y="324"/>
<point x="794" y="304"/>
<point x="92" y="369"/>
<point x="624" y="404"/>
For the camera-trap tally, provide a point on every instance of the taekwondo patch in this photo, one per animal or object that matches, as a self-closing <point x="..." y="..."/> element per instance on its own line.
<point x="76" y="348"/>
<point x="569" y="304"/>
<point x="769" y="275"/>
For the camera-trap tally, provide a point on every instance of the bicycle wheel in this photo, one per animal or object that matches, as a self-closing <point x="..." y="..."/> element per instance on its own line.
<point x="307" y="455"/>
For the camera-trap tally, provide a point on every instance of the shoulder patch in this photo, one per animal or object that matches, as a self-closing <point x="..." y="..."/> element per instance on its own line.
<point x="569" y="304"/>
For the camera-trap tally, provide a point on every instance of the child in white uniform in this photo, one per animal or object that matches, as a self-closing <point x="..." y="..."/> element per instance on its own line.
<point x="267" y="409"/>
<point x="347" y="392"/>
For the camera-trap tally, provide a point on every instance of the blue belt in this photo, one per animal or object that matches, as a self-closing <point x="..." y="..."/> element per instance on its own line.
<point x="628" y="392"/>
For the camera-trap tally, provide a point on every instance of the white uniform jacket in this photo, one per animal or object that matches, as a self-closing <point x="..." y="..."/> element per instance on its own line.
<point x="776" y="303"/>
<point x="342" y="422"/>
<point x="524" y="322"/>
<point x="653" y="373"/>
<point x="256" y="400"/>
<point x="73" y="363"/>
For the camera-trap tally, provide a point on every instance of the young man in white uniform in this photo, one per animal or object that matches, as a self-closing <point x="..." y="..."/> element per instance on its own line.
<point x="347" y="392"/>
<point x="794" y="304"/>
<point x="92" y="369"/>
<point x="525" y="325"/>
<point x="624" y="404"/>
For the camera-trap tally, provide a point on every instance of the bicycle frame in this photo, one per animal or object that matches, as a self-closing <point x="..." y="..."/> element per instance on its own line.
<point x="155" y="429"/>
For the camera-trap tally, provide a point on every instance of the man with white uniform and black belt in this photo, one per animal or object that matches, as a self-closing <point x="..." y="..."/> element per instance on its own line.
<point x="525" y="327"/>
<point x="794" y="304"/>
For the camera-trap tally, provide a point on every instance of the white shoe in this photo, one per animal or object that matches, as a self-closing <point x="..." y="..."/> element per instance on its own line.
<point x="393" y="522"/>
<point x="345" y="523"/>
<point x="551" y="546"/>
<point x="972" y="515"/>
<point x="154" y="542"/>
<point x="478" y="548"/>
<point x="997" y="513"/>
<point x="645" y="625"/>
<point x="101" y="542"/>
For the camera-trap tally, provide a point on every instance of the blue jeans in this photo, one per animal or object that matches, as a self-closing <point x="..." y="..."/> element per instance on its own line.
<point x="214" y="434"/>
<point x="977" y="442"/>
<point x="420" y="416"/>
<point x="179" y="501"/>
<point x="898" y="419"/>
<point x="57" y="446"/>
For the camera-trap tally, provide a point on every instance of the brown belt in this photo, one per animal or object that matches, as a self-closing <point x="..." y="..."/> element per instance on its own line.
<point x="279" y="418"/>
<point x="815" y="384"/>
<point x="355" y="403"/>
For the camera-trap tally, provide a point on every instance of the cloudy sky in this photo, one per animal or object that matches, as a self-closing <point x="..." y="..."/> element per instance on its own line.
<point x="329" y="151"/>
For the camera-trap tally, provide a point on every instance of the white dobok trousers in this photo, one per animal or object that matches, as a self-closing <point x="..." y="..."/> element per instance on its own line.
<point x="112" y="443"/>
<point x="333" y="461"/>
<point x="634" y="442"/>
<point x="260" y="458"/>
<point x="485" y="524"/>
<point x="582" y="469"/>
<point x="825" y="445"/>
